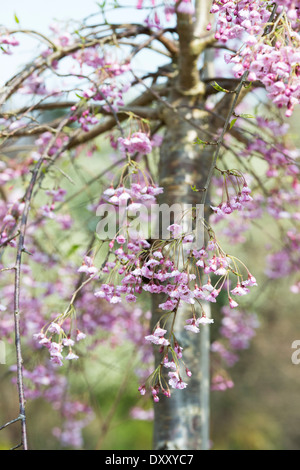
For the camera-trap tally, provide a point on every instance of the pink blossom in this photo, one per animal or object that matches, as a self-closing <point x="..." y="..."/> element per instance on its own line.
<point x="211" y="245"/>
<point x="131" y="298"/>
<point x="295" y="288"/>
<point x="178" y="350"/>
<point x="191" y="326"/>
<point x="208" y="286"/>
<point x="80" y="335"/>
<point x="239" y="290"/>
<point x="71" y="356"/>
<point x="175" y="381"/>
<point x="221" y="383"/>
<point x="115" y="299"/>
<point x="250" y="281"/>
<point x="142" y="389"/>
<point x="68" y="342"/>
<point x="56" y="360"/>
<point x="55" y="349"/>
<point x="141" y="414"/>
<point x="169" y="364"/>
<point x="157" y="337"/>
<point x="213" y="295"/>
<point x="55" y="328"/>
<point x="232" y="303"/>
<point x="88" y="266"/>
<point x="168" y="305"/>
<point x="175" y="229"/>
<point x="221" y="271"/>
<point x="137" y="142"/>
<point x="186" y="7"/>
<point x="204" y="320"/>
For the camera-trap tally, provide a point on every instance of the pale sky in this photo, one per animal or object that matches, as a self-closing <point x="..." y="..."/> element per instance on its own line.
<point x="39" y="14"/>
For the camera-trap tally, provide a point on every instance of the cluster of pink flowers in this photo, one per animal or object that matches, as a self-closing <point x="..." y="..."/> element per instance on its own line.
<point x="175" y="380"/>
<point x="159" y="274"/>
<point x="276" y="66"/>
<point x="8" y="40"/>
<point x="138" y="142"/>
<point x="136" y="266"/>
<point x="48" y="381"/>
<point x="281" y="202"/>
<point x="109" y="95"/>
<point x="291" y="8"/>
<point x="35" y="84"/>
<point x="280" y="158"/>
<point x="221" y="382"/>
<point x="237" y="329"/>
<point x="236" y="202"/>
<point x="286" y="261"/>
<point x="10" y="213"/>
<point x="43" y="382"/>
<point x="85" y="119"/>
<point x="42" y="143"/>
<point x="107" y="88"/>
<point x="56" y="348"/>
<point x="234" y="18"/>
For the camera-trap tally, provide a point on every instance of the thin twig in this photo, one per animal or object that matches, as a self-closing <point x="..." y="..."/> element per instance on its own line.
<point x="10" y="422"/>
<point x="220" y="140"/>
<point x="17" y="287"/>
<point x="9" y="239"/>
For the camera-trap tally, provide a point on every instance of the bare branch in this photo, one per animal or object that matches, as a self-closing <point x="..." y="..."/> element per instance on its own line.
<point x="220" y="140"/>
<point x="20" y="250"/>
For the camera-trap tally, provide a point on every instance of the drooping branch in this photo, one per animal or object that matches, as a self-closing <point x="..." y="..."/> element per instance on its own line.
<point x="109" y="123"/>
<point x="220" y="140"/>
<point x="17" y="313"/>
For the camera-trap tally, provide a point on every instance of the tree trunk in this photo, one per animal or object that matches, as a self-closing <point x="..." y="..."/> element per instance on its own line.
<point x="181" y="421"/>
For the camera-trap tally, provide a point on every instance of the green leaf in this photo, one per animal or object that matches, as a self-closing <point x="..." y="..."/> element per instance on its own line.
<point x="16" y="19"/>
<point x="72" y="250"/>
<point x="247" y="116"/>
<point x="199" y="141"/>
<point x="217" y="87"/>
<point x="193" y="188"/>
<point x="101" y="5"/>
<point x="232" y="122"/>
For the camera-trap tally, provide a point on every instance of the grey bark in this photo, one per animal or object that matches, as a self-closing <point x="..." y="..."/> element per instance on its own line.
<point x="182" y="421"/>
